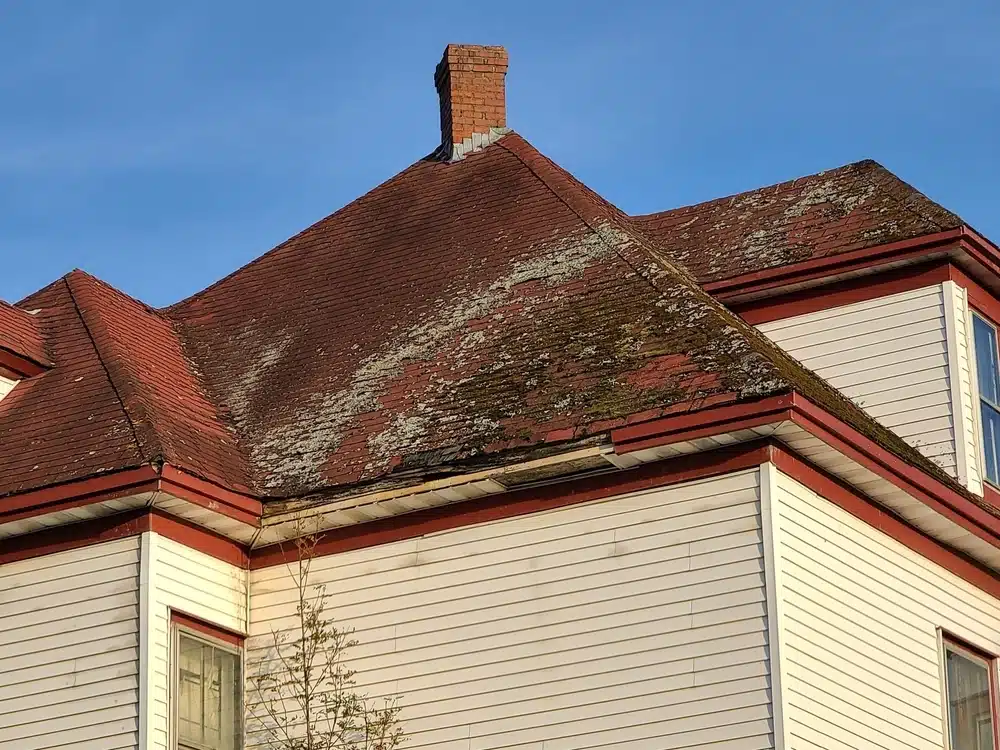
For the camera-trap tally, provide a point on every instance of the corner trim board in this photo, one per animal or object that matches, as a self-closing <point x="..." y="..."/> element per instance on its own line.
<point x="773" y="600"/>
<point x="146" y="561"/>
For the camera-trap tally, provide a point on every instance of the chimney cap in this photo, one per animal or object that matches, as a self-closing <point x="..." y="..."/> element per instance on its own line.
<point x="470" y="85"/>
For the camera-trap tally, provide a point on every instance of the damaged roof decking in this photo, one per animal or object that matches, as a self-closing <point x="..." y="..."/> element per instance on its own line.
<point x="854" y="207"/>
<point x="464" y="308"/>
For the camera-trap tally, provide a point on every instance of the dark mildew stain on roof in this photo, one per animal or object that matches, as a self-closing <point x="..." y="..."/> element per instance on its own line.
<point x="467" y="309"/>
<point x="853" y="207"/>
<point x="461" y="314"/>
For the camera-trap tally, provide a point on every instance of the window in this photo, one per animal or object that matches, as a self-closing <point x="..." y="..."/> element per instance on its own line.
<point x="207" y="690"/>
<point x="988" y="371"/>
<point x="970" y="688"/>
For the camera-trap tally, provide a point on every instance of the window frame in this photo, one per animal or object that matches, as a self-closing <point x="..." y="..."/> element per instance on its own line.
<point x="976" y="312"/>
<point x="213" y="636"/>
<point x="951" y="642"/>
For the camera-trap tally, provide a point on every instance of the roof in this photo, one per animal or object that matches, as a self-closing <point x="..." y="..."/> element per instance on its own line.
<point x="462" y="309"/>
<point x="853" y="207"/>
<point x="121" y="395"/>
<point x="19" y="334"/>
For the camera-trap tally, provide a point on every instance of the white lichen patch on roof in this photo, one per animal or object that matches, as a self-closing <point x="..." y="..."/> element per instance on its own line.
<point x="298" y="446"/>
<point x="829" y="192"/>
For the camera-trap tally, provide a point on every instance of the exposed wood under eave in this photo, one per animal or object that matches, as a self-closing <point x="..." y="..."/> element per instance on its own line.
<point x="930" y="504"/>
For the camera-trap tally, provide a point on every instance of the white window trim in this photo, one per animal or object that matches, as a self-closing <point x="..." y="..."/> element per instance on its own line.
<point x="176" y="628"/>
<point x="977" y="399"/>
<point x="948" y="641"/>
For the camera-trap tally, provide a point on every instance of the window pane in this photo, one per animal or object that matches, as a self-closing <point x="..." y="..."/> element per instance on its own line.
<point x="986" y="360"/>
<point x="189" y="682"/>
<point x="970" y="711"/>
<point x="991" y="441"/>
<point x="208" y="708"/>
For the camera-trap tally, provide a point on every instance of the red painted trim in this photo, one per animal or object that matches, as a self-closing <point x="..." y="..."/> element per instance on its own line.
<point x="991" y="494"/>
<point x="842" y="293"/>
<point x="207" y="628"/>
<point x="81" y="492"/>
<point x="932" y="492"/>
<point x="692" y="425"/>
<point x="522" y="502"/>
<point x="199" y="538"/>
<point x="19" y="364"/>
<point x="818" y="268"/>
<point x="981" y="249"/>
<point x="211" y="496"/>
<point x="118" y="526"/>
<point x="959" y="645"/>
<point x="863" y="508"/>
<point x="74" y="536"/>
<point x="965" y="645"/>
<point x="980" y="298"/>
<point x="936" y="494"/>
<point x="75" y="494"/>
<point x="673" y="471"/>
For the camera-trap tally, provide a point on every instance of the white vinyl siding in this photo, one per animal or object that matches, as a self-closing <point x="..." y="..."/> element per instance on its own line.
<point x="859" y="643"/>
<point x="194" y="584"/>
<point x="889" y="355"/>
<point x="633" y="622"/>
<point x="965" y="399"/>
<point x="69" y="649"/>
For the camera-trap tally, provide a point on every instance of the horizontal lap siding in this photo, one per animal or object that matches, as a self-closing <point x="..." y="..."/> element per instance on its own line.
<point x="890" y="356"/>
<point x="195" y="584"/>
<point x="860" y="614"/>
<point x="630" y="623"/>
<point x="69" y="649"/>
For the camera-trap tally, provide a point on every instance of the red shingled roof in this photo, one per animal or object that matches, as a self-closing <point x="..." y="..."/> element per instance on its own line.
<point x="462" y="308"/>
<point x="856" y="206"/>
<point x="458" y="310"/>
<point x="121" y="394"/>
<point x="19" y="334"/>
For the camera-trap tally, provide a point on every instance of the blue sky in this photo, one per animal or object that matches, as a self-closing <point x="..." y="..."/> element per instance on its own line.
<point x="160" y="146"/>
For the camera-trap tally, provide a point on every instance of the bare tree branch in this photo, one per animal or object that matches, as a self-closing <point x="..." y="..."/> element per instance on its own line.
<point x="305" y="667"/>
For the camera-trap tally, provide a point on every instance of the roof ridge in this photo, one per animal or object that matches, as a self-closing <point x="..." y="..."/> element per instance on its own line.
<point x="112" y="380"/>
<point x="910" y="207"/>
<point x="161" y="390"/>
<point x="191" y="298"/>
<point x="861" y="163"/>
<point x="91" y="278"/>
<point x="777" y="359"/>
<point x="570" y="205"/>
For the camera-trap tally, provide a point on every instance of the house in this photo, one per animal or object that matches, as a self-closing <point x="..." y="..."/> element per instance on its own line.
<point x="724" y="476"/>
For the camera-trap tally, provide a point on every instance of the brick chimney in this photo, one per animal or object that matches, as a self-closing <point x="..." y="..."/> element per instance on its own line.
<point x="470" y="86"/>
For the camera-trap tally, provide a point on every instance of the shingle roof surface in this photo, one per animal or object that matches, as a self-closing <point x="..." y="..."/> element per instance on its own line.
<point x="856" y="206"/>
<point x="459" y="309"/>
<point x="66" y="423"/>
<point x="121" y="394"/>
<point x="19" y="334"/>
<point x="456" y="308"/>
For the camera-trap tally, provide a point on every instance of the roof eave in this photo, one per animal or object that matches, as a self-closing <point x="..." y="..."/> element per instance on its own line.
<point x="962" y="244"/>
